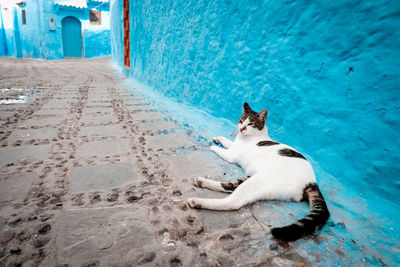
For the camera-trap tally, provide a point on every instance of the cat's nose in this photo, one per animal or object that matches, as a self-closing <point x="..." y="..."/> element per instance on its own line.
<point x="242" y="129"/>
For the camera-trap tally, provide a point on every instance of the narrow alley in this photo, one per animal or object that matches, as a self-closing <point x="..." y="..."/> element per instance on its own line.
<point x="93" y="173"/>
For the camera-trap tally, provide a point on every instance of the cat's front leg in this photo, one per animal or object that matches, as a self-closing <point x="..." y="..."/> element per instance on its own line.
<point x="223" y="141"/>
<point x="222" y="152"/>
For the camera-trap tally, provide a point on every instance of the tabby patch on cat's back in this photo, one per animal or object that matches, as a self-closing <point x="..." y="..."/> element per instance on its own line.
<point x="276" y="172"/>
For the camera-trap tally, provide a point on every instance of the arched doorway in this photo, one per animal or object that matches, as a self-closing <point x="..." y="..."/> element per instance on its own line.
<point x="72" y="37"/>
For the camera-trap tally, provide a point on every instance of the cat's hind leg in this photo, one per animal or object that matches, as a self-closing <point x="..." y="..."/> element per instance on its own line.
<point x="226" y="187"/>
<point x="253" y="189"/>
<point x="225" y="142"/>
<point x="234" y="201"/>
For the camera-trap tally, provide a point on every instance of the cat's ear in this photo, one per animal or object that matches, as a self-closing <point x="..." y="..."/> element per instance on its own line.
<point x="246" y="108"/>
<point x="262" y="115"/>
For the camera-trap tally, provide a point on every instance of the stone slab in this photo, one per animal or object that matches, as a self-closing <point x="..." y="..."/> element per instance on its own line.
<point x="100" y="130"/>
<point x="6" y="114"/>
<point x="168" y="141"/>
<point x="29" y="153"/>
<point x="99" y="119"/>
<point x="155" y="126"/>
<point x="137" y="103"/>
<point x="56" y="104"/>
<point x="142" y="108"/>
<point x="98" y="99"/>
<point x="146" y="115"/>
<point x="7" y="108"/>
<point x="99" y="93"/>
<point x="27" y="134"/>
<point x="104" y="235"/>
<point x="96" y="111"/>
<point x="103" y="148"/>
<point x="189" y="165"/>
<point x="219" y="220"/>
<point x="57" y="112"/>
<point x="102" y="177"/>
<point x="43" y="121"/>
<point x="15" y="186"/>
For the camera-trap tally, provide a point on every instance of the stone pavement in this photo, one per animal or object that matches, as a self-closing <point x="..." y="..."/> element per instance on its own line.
<point x="93" y="174"/>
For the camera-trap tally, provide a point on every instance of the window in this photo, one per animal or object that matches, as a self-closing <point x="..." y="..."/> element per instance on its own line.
<point x="95" y="17"/>
<point x="23" y="14"/>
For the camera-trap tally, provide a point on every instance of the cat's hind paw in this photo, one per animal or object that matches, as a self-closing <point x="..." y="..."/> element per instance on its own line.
<point x="198" y="181"/>
<point x="193" y="203"/>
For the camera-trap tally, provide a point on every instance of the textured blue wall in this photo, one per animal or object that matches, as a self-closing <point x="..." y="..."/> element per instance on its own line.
<point x="329" y="72"/>
<point x="3" y="43"/>
<point x="97" y="43"/>
<point x="117" y="36"/>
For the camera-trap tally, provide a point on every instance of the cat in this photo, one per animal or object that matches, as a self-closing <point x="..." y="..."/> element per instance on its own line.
<point x="274" y="171"/>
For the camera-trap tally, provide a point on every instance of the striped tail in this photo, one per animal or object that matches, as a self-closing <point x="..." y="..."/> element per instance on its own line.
<point x="317" y="217"/>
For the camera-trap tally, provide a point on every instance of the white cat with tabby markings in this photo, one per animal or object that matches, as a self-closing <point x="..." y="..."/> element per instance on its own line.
<point x="274" y="172"/>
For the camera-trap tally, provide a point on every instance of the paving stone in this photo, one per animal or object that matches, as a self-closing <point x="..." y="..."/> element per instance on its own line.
<point x="99" y="119"/>
<point x="101" y="177"/>
<point x="168" y="140"/>
<point x="56" y="104"/>
<point x="101" y="93"/>
<point x="190" y="165"/>
<point x="6" y="108"/>
<point x="143" y="107"/>
<point x="158" y="125"/>
<point x="136" y="103"/>
<point x="57" y="112"/>
<point x="101" y="102"/>
<point x="100" y="130"/>
<point x="98" y="99"/>
<point x="103" y="148"/>
<point x="15" y="186"/>
<point x="6" y="114"/>
<point x="95" y="111"/>
<point x="84" y="235"/>
<point x="27" y="134"/>
<point x="214" y="220"/>
<point x="29" y="153"/>
<point x="147" y="116"/>
<point x="43" y="121"/>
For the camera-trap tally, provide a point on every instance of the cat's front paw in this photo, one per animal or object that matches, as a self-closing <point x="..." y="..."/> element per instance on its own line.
<point x="198" y="181"/>
<point x="214" y="148"/>
<point x="193" y="203"/>
<point x="217" y="139"/>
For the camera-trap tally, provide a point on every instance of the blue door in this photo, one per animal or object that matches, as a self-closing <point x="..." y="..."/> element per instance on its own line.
<point x="72" y="37"/>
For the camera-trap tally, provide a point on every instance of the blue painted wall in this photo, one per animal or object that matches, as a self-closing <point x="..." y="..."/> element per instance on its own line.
<point x="35" y="39"/>
<point x="328" y="71"/>
<point x="3" y="43"/>
<point x="117" y="36"/>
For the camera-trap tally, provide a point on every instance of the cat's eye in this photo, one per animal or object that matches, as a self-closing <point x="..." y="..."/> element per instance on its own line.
<point x="240" y="121"/>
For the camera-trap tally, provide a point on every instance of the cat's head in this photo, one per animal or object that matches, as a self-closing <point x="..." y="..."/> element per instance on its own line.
<point x="251" y="122"/>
